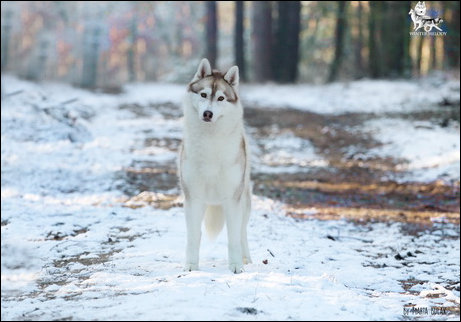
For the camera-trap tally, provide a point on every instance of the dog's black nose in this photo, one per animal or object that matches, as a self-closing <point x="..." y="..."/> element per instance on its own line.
<point x="207" y="115"/>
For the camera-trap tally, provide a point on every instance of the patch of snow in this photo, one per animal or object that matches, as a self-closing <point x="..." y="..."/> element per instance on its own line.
<point x="364" y="96"/>
<point x="285" y="153"/>
<point x="297" y="271"/>
<point x="432" y="152"/>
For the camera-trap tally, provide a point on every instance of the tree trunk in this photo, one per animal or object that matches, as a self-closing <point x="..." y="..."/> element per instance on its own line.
<point x="262" y="40"/>
<point x="211" y="32"/>
<point x="359" y="72"/>
<point x="406" y="72"/>
<point x="433" y="55"/>
<point x="6" y="30"/>
<point x="92" y="35"/>
<point x="286" y="51"/>
<point x="239" y="45"/>
<point x="40" y="59"/>
<point x="339" y="41"/>
<point x="131" y="55"/>
<point x="374" y="40"/>
<point x="419" y="56"/>
<point x="451" y="40"/>
<point x="396" y="27"/>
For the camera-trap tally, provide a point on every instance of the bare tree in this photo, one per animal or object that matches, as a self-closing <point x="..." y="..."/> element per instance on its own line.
<point x="91" y="39"/>
<point x="433" y="54"/>
<point x="262" y="40"/>
<point x="374" y="39"/>
<point x="339" y="41"/>
<point x="133" y="35"/>
<point x="239" y="45"/>
<point x="40" y="55"/>
<point x="419" y="56"/>
<point x="211" y="32"/>
<point x="451" y="41"/>
<point x="394" y="28"/>
<point x="389" y="41"/>
<point x="286" y="44"/>
<point x="7" y="24"/>
<point x="358" y="57"/>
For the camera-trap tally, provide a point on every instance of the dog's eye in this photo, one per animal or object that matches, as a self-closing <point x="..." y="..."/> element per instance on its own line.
<point x="203" y="95"/>
<point x="221" y="98"/>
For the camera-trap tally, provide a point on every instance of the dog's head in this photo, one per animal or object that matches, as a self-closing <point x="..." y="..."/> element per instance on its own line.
<point x="214" y="95"/>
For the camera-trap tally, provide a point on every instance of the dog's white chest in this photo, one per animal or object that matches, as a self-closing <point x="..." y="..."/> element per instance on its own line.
<point x="212" y="169"/>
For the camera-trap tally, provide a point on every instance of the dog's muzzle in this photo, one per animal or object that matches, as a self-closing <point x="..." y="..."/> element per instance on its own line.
<point x="207" y="115"/>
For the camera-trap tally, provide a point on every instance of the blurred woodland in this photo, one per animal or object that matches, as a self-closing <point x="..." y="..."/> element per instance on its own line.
<point x="106" y="44"/>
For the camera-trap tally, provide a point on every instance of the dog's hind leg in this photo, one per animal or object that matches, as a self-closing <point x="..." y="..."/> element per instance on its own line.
<point x="195" y="210"/>
<point x="246" y="217"/>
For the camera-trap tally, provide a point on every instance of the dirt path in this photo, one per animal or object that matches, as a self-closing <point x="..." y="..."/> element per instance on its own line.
<point x="346" y="186"/>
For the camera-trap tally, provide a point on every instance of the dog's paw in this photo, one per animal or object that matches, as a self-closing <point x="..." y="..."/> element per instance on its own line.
<point x="190" y="267"/>
<point x="236" y="268"/>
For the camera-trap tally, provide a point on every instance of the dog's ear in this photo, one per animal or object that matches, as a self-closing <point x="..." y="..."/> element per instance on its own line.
<point x="232" y="76"/>
<point x="203" y="70"/>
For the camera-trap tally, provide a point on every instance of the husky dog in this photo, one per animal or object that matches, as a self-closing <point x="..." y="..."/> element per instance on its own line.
<point x="214" y="164"/>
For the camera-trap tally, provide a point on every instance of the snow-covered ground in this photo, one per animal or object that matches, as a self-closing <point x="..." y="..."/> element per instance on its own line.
<point x="364" y="96"/>
<point x="284" y="153"/>
<point x="433" y="152"/>
<point x="74" y="248"/>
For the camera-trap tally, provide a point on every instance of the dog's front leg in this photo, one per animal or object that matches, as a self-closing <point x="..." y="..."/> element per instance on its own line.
<point x="195" y="211"/>
<point x="234" y="218"/>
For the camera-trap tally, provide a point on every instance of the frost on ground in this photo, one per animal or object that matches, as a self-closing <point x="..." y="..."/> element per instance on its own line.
<point x="93" y="229"/>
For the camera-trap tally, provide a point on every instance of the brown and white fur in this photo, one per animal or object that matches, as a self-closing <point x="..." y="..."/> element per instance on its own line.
<point x="214" y="165"/>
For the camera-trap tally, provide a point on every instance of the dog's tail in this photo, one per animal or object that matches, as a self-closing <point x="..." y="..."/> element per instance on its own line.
<point x="214" y="221"/>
